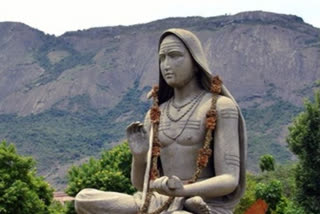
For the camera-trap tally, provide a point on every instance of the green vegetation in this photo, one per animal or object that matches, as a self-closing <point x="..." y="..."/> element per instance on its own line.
<point x="266" y="163"/>
<point x="304" y="141"/>
<point x="21" y="191"/>
<point x="291" y="189"/>
<point x="109" y="173"/>
<point x="276" y="187"/>
<point x="270" y="193"/>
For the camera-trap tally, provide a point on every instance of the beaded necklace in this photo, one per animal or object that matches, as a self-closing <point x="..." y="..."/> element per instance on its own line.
<point x="178" y="108"/>
<point x="203" y="155"/>
<point x="193" y="108"/>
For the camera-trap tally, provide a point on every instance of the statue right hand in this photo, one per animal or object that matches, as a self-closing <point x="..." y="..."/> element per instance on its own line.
<point x="137" y="139"/>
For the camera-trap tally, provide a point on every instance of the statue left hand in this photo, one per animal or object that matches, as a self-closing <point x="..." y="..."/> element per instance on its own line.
<point x="172" y="186"/>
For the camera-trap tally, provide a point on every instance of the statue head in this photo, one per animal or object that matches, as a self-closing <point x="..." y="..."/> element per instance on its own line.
<point x="184" y="42"/>
<point x="177" y="67"/>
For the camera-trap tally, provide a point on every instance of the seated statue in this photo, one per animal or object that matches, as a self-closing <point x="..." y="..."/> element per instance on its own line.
<point x="189" y="155"/>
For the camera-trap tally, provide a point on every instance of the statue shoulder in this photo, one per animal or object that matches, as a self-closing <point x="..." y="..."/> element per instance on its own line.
<point x="224" y="102"/>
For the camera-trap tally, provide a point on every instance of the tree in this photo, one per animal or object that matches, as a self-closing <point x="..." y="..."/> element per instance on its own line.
<point x="21" y="191"/>
<point x="304" y="141"/>
<point x="270" y="193"/>
<point x="110" y="173"/>
<point x="266" y="163"/>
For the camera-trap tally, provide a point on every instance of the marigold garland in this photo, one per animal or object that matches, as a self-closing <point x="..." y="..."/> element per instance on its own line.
<point x="204" y="153"/>
<point x="216" y="85"/>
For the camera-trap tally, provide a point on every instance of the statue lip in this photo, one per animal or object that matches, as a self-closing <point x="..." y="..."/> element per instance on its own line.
<point x="168" y="75"/>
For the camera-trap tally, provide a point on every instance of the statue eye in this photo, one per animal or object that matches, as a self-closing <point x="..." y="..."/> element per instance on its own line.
<point x="161" y="57"/>
<point x="175" y="54"/>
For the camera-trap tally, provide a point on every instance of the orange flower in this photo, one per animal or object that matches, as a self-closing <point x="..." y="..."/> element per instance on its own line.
<point x="216" y="85"/>
<point x="155" y="90"/>
<point x="156" y="142"/>
<point x="211" y="123"/>
<point x="154" y="174"/>
<point x="203" y="157"/>
<point x="202" y="161"/>
<point x="211" y="113"/>
<point x="155" y="114"/>
<point x="155" y="151"/>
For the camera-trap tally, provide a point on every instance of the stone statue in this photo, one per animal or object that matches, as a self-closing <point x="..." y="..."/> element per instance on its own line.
<point x="189" y="155"/>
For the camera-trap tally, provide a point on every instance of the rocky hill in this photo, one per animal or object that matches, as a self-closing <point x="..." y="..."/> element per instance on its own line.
<point x="65" y="98"/>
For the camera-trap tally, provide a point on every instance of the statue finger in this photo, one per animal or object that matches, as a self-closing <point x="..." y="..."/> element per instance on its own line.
<point x="175" y="183"/>
<point x="157" y="184"/>
<point x="164" y="183"/>
<point x="144" y="131"/>
<point x="141" y="129"/>
<point x="136" y="126"/>
<point x="130" y="127"/>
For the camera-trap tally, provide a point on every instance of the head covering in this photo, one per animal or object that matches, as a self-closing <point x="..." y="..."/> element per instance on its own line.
<point x="193" y="45"/>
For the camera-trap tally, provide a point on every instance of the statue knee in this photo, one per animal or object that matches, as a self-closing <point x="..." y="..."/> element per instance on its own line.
<point x="81" y="200"/>
<point x="83" y="194"/>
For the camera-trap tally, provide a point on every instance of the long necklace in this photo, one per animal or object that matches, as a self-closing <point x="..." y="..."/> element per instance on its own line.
<point x="203" y="155"/>
<point x="199" y="96"/>
<point x="178" y="108"/>
<point x="197" y="102"/>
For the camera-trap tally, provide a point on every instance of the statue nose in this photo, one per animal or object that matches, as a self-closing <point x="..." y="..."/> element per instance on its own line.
<point x="166" y="66"/>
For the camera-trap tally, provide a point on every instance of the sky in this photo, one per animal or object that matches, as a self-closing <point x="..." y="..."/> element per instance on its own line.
<point x="58" y="16"/>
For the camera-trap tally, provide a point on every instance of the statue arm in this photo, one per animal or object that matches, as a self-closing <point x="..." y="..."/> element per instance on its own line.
<point x="137" y="134"/>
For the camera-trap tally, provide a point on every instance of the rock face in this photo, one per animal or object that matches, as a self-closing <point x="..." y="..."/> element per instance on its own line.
<point x="249" y="50"/>
<point x="268" y="61"/>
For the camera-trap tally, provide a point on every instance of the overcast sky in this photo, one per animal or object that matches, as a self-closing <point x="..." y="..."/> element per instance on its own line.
<point x="59" y="16"/>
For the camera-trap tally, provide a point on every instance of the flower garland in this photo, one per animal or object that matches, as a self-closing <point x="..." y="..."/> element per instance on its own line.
<point x="204" y="153"/>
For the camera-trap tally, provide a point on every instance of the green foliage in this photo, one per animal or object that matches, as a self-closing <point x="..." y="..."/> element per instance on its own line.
<point x="57" y="208"/>
<point x="293" y="208"/>
<point x="110" y="173"/>
<point x="22" y="192"/>
<point x="304" y="141"/>
<point x="283" y="174"/>
<point x="271" y="193"/>
<point x="69" y="208"/>
<point x="266" y="163"/>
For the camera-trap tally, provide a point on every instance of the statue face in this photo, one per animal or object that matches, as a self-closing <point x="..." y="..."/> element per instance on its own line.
<point x="176" y="63"/>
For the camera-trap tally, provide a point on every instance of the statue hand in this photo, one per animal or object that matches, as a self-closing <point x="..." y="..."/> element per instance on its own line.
<point x="137" y="139"/>
<point x="172" y="186"/>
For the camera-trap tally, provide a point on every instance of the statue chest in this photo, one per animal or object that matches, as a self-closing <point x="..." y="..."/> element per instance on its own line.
<point x="186" y="131"/>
